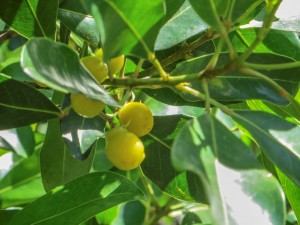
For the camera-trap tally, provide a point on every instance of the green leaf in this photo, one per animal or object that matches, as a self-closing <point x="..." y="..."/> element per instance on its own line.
<point x="234" y="86"/>
<point x="96" y="192"/>
<point x="157" y="164"/>
<point x="20" y="140"/>
<point x="183" y="25"/>
<point x="59" y="68"/>
<point x="276" y="137"/>
<point x="172" y="7"/>
<point x="21" y="105"/>
<point x="82" y="25"/>
<point x="131" y="213"/>
<point x="291" y="191"/>
<point x="22" y="178"/>
<point x="230" y="174"/>
<point x="16" y="72"/>
<point x="30" y="18"/>
<point x="58" y="166"/>
<point x="124" y="28"/>
<point x="289" y="42"/>
<point x="7" y="215"/>
<point x="191" y="219"/>
<point x="210" y="11"/>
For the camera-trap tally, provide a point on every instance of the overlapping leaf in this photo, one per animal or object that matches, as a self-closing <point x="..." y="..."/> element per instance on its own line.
<point x="276" y="137"/>
<point x="21" y="105"/>
<point x="30" y="18"/>
<point x="127" y="28"/>
<point x="95" y="192"/>
<point x="157" y="164"/>
<point x="230" y="174"/>
<point x="183" y="25"/>
<point x="59" y="68"/>
<point x="58" y="166"/>
<point x="234" y="86"/>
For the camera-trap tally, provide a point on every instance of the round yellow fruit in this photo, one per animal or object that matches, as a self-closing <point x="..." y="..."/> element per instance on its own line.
<point x="84" y="106"/>
<point x="96" y="67"/>
<point x="124" y="149"/>
<point x="116" y="64"/>
<point x="99" y="53"/>
<point x="137" y="118"/>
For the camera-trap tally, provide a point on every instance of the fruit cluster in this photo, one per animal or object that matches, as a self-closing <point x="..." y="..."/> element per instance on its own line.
<point x="123" y="147"/>
<point x="81" y="104"/>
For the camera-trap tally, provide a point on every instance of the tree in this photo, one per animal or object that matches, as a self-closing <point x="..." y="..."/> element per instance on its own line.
<point x="221" y="79"/>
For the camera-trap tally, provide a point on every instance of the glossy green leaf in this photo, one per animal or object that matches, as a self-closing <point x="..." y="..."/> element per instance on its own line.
<point x="16" y="72"/>
<point x="291" y="191"/>
<point x="234" y="86"/>
<point x="59" y="68"/>
<point x="30" y="18"/>
<point x="230" y="174"/>
<point x="241" y="9"/>
<point x="157" y="164"/>
<point x="124" y="28"/>
<point x="277" y="41"/>
<point x="276" y="137"/>
<point x="21" y="105"/>
<point x="58" y="166"/>
<point x="20" y="140"/>
<point x="183" y="25"/>
<point x="210" y="11"/>
<point x="97" y="191"/>
<point x="191" y="219"/>
<point x="131" y="213"/>
<point x="82" y="25"/>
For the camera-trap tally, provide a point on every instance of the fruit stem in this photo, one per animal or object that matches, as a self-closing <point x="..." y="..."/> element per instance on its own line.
<point x="152" y="58"/>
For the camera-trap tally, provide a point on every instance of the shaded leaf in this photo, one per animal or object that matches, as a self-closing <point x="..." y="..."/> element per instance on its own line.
<point x="124" y="28"/>
<point x="7" y="215"/>
<point x="80" y="133"/>
<point x="21" y="105"/>
<point x="59" y="68"/>
<point x="276" y="137"/>
<point x="157" y="164"/>
<point x="58" y="166"/>
<point x="230" y="174"/>
<point x="98" y="191"/>
<point x="30" y="18"/>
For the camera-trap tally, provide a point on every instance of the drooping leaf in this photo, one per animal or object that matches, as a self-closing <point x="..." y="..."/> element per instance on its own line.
<point x="30" y="18"/>
<point x="183" y="25"/>
<point x="234" y="86"/>
<point x="21" y="105"/>
<point x="20" y="140"/>
<point x="7" y="215"/>
<point x="276" y="137"/>
<point x="58" y="166"/>
<point x="59" y="68"/>
<point x="229" y="173"/>
<point x="124" y="28"/>
<point x="96" y="192"/>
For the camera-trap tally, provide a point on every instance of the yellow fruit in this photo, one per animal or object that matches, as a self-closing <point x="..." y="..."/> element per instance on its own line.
<point x="116" y="64"/>
<point x="99" y="53"/>
<point x="84" y="106"/>
<point x="137" y="118"/>
<point x="124" y="149"/>
<point x="96" y="67"/>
